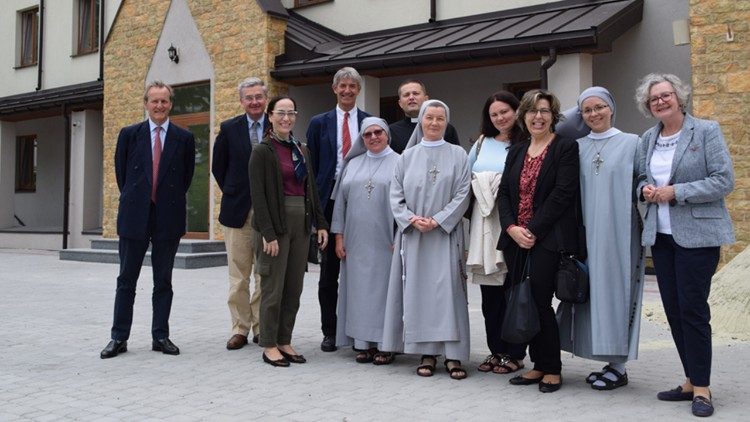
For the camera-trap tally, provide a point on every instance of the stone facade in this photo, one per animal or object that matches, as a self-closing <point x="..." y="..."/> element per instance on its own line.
<point x="721" y="91"/>
<point x="241" y="41"/>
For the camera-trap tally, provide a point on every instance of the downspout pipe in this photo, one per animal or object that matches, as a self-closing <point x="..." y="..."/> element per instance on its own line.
<point x="101" y="40"/>
<point x="433" y="11"/>
<point x="40" y="53"/>
<point x="66" y="178"/>
<point x="546" y="65"/>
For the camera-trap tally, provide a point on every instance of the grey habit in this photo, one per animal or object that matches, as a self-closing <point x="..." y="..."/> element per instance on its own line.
<point x="607" y="327"/>
<point x="362" y="213"/>
<point x="426" y="309"/>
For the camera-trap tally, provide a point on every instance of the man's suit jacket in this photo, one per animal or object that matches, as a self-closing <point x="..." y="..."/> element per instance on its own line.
<point x="229" y="165"/>
<point x="133" y="169"/>
<point x="323" y="145"/>
<point x="557" y="190"/>
<point x="702" y="176"/>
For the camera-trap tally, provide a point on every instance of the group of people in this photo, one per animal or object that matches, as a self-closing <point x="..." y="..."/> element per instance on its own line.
<point x="539" y="183"/>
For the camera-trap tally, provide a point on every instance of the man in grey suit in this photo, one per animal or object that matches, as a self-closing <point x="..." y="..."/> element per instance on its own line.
<point x="231" y="155"/>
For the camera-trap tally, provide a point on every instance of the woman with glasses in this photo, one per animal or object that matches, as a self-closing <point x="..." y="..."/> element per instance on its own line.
<point x="363" y="228"/>
<point x="685" y="172"/>
<point x="426" y="309"/>
<point x="536" y="201"/>
<point x="485" y="264"/>
<point x="286" y="206"/>
<point x="607" y="327"/>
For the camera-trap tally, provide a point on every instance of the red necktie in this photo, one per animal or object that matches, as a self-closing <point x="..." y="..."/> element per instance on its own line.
<point x="156" y="158"/>
<point x="346" y="137"/>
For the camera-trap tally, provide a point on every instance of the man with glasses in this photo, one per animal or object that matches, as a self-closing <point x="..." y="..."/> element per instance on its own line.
<point x="231" y="156"/>
<point x="329" y="137"/>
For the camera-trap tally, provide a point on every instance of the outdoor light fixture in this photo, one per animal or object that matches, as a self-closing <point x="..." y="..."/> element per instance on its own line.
<point x="173" y="54"/>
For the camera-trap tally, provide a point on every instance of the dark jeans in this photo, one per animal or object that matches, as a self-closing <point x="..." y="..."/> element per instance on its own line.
<point x="493" y="310"/>
<point x="684" y="278"/>
<point x="544" y="348"/>
<point x="131" y="253"/>
<point x="328" y="284"/>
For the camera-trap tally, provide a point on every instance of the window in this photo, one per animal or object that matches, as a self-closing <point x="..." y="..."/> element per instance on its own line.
<point x="26" y="163"/>
<point x="29" y="36"/>
<point x="302" y="3"/>
<point x="88" y="26"/>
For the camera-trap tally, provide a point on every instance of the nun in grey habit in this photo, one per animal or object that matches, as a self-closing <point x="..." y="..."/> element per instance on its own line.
<point x="607" y="327"/>
<point x="426" y="310"/>
<point x="363" y="228"/>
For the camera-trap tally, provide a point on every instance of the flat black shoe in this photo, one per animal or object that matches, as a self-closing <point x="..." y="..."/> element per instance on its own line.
<point x="114" y="348"/>
<point x="293" y="358"/>
<point x="328" y="344"/>
<point x="520" y="380"/>
<point x="548" y="387"/>
<point x="165" y="346"/>
<point x="281" y="363"/>
<point x="702" y="406"/>
<point x="675" y="394"/>
<point x="255" y="339"/>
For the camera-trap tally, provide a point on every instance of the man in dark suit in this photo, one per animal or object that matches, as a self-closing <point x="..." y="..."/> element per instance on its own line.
<point x="329" y="137"/>
<point x="229" y="166"/>
<point x="411" y="94"/>
<point x="154" y="163"/>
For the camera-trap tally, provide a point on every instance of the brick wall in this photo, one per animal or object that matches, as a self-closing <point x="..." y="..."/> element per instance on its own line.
<point x="241" y="41"/>
<point x="721" y="91"/>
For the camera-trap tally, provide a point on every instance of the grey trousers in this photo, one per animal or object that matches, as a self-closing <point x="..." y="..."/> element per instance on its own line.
<point x="282" y="276"/>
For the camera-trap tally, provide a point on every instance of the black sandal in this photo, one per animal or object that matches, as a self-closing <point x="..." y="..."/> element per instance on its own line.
<point x="489" y="364"/>
<point x="596" y="375"/>
<point x="366" y="356"/>
<point x="456" y="372"/>
<point x="622" y="380"/>
<point x="427" y="369"/>
<point x="383" y="358"/>
<point x="506" y="363"/>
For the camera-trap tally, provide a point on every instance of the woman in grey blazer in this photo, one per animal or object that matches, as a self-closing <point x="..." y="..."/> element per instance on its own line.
<point x="685" y="172"/>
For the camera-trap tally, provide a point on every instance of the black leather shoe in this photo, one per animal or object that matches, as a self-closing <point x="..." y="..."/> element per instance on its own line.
<point x="293" y="358"/>
<point x="520" y="380"/>
<point x="328" y="344"/>
<point x="255" y="339"/>
<point x="165" y="346"/>
<point x="114" y="348"/>
<point x="548" y="387"/>
<point x="281" y="363"/>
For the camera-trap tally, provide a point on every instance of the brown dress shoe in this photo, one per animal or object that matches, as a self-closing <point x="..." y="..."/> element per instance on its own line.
<point x="238" y="341"/>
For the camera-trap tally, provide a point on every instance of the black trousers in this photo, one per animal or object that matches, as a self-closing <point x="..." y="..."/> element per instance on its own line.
<point x="328" y="284"/>
<point x="493" y="310"/>
<point x="132" y="252"/>
<point x="544" y="348"/>
<point x="684" y="278"/>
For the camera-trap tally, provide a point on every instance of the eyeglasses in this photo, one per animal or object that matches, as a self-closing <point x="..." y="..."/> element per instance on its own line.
<point x="597" y="108"/>
<point x="288" y="113"/>
<point x="258" y="97"/>
<point x="545" y="112"/>
<point x="375" y="133"/>
<point x="663" y="97"/>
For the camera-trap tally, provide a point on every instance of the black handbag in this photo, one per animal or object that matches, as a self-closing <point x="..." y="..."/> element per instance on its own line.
<point x="521" y="319"/>
<point x="572" y="280"/>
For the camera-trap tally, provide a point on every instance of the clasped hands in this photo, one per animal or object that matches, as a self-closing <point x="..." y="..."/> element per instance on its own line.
<point x="522" y="236"/>
<point x="423" y="224"/>
<point x="652" y="193"/>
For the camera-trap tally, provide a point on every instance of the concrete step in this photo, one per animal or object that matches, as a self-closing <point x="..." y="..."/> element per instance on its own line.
<point x="186" y="245"/>
<point x="182" y="260"/>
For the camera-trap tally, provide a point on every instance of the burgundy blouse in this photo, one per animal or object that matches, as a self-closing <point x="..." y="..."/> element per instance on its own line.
<point x="292" y="187"/>
<point x="527" y="186"/>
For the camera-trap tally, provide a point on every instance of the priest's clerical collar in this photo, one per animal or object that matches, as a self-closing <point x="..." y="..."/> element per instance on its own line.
<point x="431" y="144"/>
<point x="414" y="120"/>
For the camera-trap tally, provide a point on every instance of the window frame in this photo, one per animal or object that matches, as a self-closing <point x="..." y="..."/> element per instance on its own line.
<point x="25" y="165"/>
<point x="91" y="29"/>
<point x="33" y="58"/>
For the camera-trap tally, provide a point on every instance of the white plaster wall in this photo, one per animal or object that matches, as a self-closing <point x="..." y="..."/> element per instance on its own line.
<point x="7" y="173"/>
<point x="85" y="175"/>
<point x="358" y="16"/>
<point x="59" y="67"/>
<point x="645" y="48"/>
<point x="44" y="208"/>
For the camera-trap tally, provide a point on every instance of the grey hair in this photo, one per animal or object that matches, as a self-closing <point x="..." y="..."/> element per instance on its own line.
<point x="251" y="82"/>
<point x="157" y="84"/>
<point x="642" y="92"/>
<point x="347" y="73"/>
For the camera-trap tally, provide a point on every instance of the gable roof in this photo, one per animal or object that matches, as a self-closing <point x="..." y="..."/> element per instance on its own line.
<point x="511" y="35"/>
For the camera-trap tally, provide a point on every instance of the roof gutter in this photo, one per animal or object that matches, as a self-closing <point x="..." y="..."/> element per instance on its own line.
<point x="546" y="65"/>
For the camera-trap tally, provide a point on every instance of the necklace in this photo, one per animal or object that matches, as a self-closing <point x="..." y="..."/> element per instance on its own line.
<point x="597" y="161"/>
<point x="369" y="187"/>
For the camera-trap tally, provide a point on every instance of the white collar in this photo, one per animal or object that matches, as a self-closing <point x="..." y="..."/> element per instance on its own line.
<point x="606" y="134"/>
<point x="152" y="125"/>
<point x="383" y="153"/>
<point x="414" y="119"/>
<point x="432" y="144"/>
<point x="352" y="113"/>
<point x="260" y="121"/>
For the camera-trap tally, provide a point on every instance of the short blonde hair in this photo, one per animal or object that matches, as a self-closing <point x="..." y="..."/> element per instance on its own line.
<point x="157" y="84"/>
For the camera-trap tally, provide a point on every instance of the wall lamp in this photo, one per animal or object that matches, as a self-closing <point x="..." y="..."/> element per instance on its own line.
<point x="173" y="54"/>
